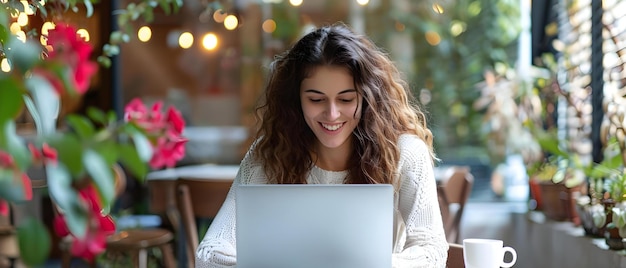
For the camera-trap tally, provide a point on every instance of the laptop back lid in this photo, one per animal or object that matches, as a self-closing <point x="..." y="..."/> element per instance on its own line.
<point x="314" y="225"/>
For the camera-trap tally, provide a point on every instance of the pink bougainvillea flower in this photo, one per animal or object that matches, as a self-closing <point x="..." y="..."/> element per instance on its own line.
<point x="47" y="154"/>
<point x="28" y="187"/>
<point x="176" y="120"/>
<point x="168" y="151"/>
<point x="99" y="227"/>
<point x="6" y="160"/>
<point x="4" y="208"/>
<point x="72" y="50"/>
<point x="150" y="120"/>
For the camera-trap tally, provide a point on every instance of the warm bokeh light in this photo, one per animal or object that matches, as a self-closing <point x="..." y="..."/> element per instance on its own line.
<point x="5" y="66"/>
<point x="185" y="40"/>
<point x="219" y="15"/>
<point x="21" y="35"/>
<point x="269" y="26"/>
<point x="438" y="8"/>
<point x="458" y="27"/>
<point x="84" y="34"/>
<point x="48" y="25"/>
<point x="209" y="41"/>
<point x="433" y="38"/>
<point x="15" y="28"/>
<point x="362" y="2"/>
<point x="295" y="3"/>
<point x="144" y="34"/>
<point x="28" y="9"/>
<point x="399" y="26"/>
<point x="22" y="19"/>
<point x="231" y="22"/>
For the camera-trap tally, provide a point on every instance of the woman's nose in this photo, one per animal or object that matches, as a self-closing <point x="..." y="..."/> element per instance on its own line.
<point x="332" y="111"/>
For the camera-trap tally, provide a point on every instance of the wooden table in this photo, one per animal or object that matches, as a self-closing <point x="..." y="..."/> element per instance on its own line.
<point x="162" y="183"/>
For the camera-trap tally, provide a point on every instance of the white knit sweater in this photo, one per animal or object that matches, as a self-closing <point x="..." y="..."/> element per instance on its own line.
<point x="419" y="239"/>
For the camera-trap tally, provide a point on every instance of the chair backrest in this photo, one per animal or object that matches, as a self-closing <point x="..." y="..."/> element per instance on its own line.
<point x="198" y="198"/>
<point x="455" y="256"/>
<point x="453" y="195"/>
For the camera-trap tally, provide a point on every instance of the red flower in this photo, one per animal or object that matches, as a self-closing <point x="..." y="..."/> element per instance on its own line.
<point x="99" y="227"/>
<point x="28" y="187"/>
<point x="4" y="208"/>
<point x="72" y="50"/>
<point x="166" y="132"/>
<point x="6" y="160"/>
<point x="47" y="154"/>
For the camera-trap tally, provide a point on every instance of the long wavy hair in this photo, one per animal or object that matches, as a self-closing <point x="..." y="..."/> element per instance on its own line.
<point x="284" y="140"/>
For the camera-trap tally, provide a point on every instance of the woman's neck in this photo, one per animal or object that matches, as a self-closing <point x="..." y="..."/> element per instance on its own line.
<point x="332" y="159"/>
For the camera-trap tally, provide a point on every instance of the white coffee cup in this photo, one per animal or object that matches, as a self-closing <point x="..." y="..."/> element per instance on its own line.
<point x="486" y="253"/>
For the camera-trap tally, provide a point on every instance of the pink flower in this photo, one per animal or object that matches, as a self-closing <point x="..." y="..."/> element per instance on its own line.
<point x="6" y="160"/>
<point x="99" y="227"/>
<point x="165" y="132"/>
<point x="46" y="155"/>
<point x="72" y="50"/>
<point x="28" y="187"/>
<point x="4" y="208"/>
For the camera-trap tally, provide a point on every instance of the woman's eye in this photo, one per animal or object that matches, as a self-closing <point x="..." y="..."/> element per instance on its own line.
<point x="315" y="100"/>
<point x="347" y="100"/>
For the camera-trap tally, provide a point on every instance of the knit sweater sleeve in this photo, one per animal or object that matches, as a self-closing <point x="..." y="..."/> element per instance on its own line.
<point x="425" y="244"/>
<point x="218" y="248"/>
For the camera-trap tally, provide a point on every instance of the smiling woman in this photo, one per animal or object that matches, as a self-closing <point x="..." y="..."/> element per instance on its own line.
<point x="336" y="111"/>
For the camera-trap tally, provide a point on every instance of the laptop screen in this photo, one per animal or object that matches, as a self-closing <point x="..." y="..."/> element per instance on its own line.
<point x="314" y="225"/>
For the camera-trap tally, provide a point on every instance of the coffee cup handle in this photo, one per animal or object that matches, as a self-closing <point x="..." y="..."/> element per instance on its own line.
<point x="513" y="254"/>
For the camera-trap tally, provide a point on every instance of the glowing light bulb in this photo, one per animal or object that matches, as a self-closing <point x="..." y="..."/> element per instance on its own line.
<point x="231" y="22"/>
<point x="144" y="34"/>
<point x="209" y="41"/>
<point x="185" y="40"/>
<point x="5" y="66"/>
<point x="84" y="34"/>
<point x="269" y="26"/>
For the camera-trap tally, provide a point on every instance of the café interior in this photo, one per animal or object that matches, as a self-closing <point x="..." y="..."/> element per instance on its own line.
<point x="526" y="101"/>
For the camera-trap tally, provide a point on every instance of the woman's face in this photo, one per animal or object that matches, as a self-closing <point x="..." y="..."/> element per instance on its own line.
<point x="331" y="105"/>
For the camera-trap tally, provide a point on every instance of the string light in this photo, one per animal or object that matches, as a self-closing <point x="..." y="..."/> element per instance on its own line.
<point x="269" y="26"/>
<point x="5" y="66"/>
<point x="84" y="34"/>
<point x="209" y="41"/>
<point x="295" y="3"/>
<point x="144" y="34"/>
<point x="362" y="2"/>
<point x="185" y="40"/>
<point x="231" y="22"/>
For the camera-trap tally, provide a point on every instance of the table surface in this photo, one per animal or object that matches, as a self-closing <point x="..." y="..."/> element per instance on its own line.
<point x="204" y="171"/>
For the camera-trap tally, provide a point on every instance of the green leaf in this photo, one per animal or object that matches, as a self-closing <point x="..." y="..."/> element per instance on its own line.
<point x="70" y="150"/>
<point x="14" y="145"/>
<point x="131" y="160"/>
<point x="8" y="190"/>
<point x="81" y="125"/>
<point x="34" y="242"/>
<point x="165" y="6"/>
<point x="22" y="55"/>
<point x="143" y="146"/>
<point x="60" y="189"/>
<point x="97" y="115"/>
<point x="89" y="7"/>
<point x="47" y="102"/>
<point x="101" y="175"/>
<point x="11" y="96"/>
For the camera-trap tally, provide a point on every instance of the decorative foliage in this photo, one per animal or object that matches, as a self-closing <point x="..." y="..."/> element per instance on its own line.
<point x="79" y="152"/>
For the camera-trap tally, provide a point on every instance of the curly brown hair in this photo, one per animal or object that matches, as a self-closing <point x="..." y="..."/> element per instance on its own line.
<point x="284" y="140"/>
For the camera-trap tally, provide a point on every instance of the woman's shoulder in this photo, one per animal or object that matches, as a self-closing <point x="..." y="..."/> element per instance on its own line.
<point x="411" y="142"/>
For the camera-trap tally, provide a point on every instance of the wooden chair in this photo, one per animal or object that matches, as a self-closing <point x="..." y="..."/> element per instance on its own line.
<point x="198" y="198"/>
<point x="453" y="194"/>
<point x="455" y="256"/>
<point x="135" y="241"/>
<point x="9" y="247"/>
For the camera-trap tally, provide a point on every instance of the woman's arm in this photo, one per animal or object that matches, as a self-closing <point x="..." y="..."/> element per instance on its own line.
<point x="425" y="244"/>
<point x="218" y="248"/>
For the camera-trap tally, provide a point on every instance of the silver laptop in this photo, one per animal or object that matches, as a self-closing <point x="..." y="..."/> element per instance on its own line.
<point x="313" y="225"/>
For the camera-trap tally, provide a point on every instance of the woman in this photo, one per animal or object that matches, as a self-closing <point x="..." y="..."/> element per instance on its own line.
<point x="337" y="111"/>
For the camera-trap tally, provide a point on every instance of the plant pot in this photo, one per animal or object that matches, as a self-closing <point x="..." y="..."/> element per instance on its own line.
<point x="587" y="222"/>
<point x="558" y="202"/>
<point x="535" y="193"/>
